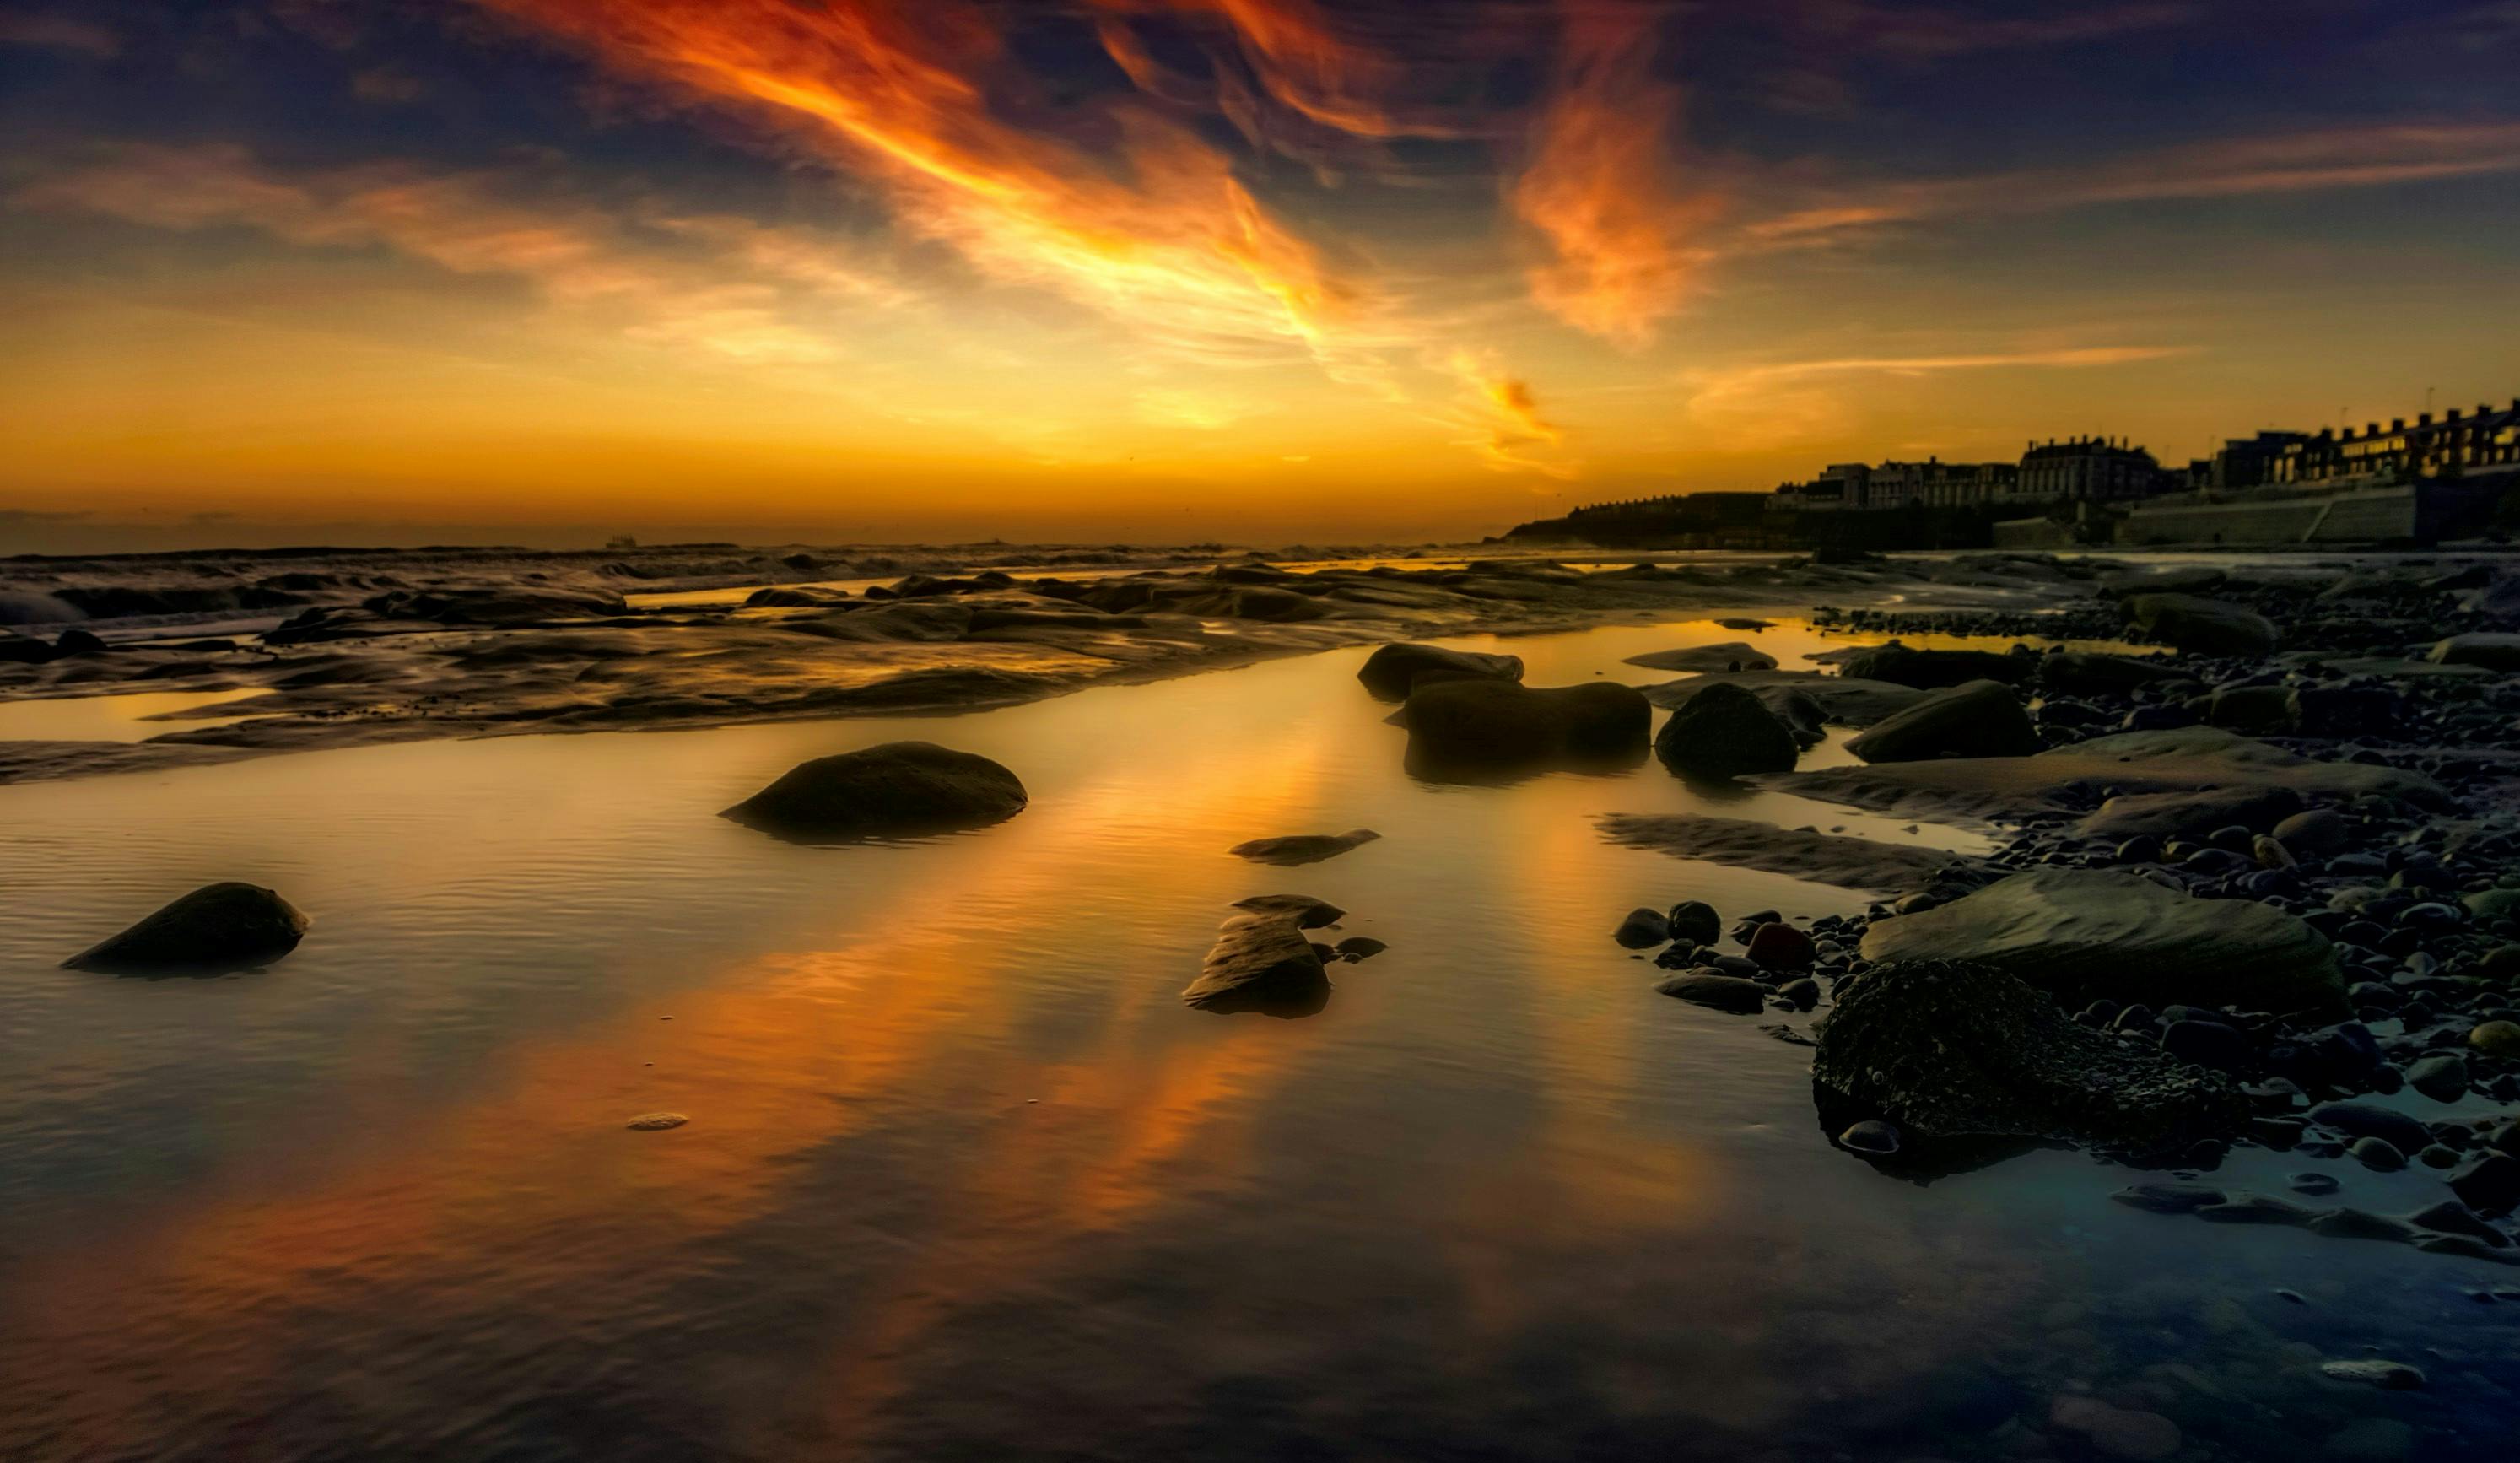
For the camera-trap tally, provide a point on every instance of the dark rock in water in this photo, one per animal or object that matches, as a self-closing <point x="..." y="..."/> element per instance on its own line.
<point x="2358" y="1120"/>
<point x="899" y="789"/>
<point x="1500" y="723"/>
<point x="2440" y="1077"/>
<point x="1872" y="1135"/>
<point x="1642" y="930"/>
<point x="2169" y="1198"/>
<point x="1731" y="655"/>
<point x="2083" y="934"/>
<point x="1723" y="731"/>
<point x="1303" y="847"/>
<point x="1392" y="671"/>
<point x="2489" y="1183"/>
<point x="1835" y="698"/>
<point x="1358" y="947"/>
<point x="24" y="649"/>
<point x="1707" y="987"/>
<point x="79" y="643"/>
<point x="1802" y="995"/>
<point x="1980" y="719"/>
<point x="1260" y="963"/>
<point x="1695" y="922"/>
<point x="655" y="1122"/>
<point x="1950" y="1049"/>
<point x="2203" y="626"/>
<point x="1934" y="669"/>
<point x="1744" y="623"/>
<point x="2387" y="1376"/>
<point x="1307" y="912"/>
<point x="1780" y="946"/>
<point x="215" y="929"/>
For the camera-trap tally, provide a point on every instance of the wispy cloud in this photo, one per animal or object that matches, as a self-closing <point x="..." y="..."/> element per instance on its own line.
<point x="1504" y="413"/>
<point x="59" y="33"/>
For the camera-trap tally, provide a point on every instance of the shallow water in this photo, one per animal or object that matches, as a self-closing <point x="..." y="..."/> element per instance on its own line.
<point x="128" y="717"/>
<point x="963" y="1179"/>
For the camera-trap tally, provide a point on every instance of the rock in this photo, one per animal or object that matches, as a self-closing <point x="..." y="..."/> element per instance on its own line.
<point x="2496" y="1039"/>
<point x="1705" y="987"/>
<point x="1841" y="699"/>
<point x="2258" y="1209"/>
<point x="2169" y="1198"/>
<point x="1872" y="1137"/>
<point x="1731" y="655"/>
<point x="2449" y="1217"/>
<point x="655" y="1122"/>
<point x="2387" y="1376"/>
<point x="1780" y="946"/>
<point x="2115" y="1431"/>
<point x="2489" y="1183"/>
<point x="1303" y="847"/>
<point x="896" y="790"/>
<point x="1723" y="731"/>
<point x="1393" y="671"/>
<point x="24" y="649"/>
<point x="2189" y="813"/>
<point x="2376" y="1154"/>
<point x="2360" y="1120"/>
<point x="1260" y="962"/>
<point x="2207" y="1043"/>
<point x="1979" y="718"/>
<point x="2086" y="673"/>
<point x="1307" y="912"/>
<point x="1821" y="857"/>
<point x="2440" y="1077"/>
<point x="1934" y="669"/>
<point x="79" y="643"/>
<point x="1694" y="922"/>
<point x="215" y="929"/>
<point x="1801" y="995"/>
<point x="2491" y="650"/>
<point x="2081" y="934"/>
<point x="2252" y="708"/>
<point x="1951" y="1049"/>
<point x="1499" y="723"/>
<point x="1642" y="930"/>
<point x="2202" y="626"/>
<point x="1358" y="947"/>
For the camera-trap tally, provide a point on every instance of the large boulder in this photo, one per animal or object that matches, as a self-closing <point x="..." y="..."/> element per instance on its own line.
<point x="1501" y="722"/>
<point x="1981" y="718"/>
<point x="2211" y="627"/>
<point x="1951" y="1049"/>
<point x="216" y="928"/>
<point x="897" y="790"/>
<point x="1934" y="669"/>
<point x="1392" y="671"/>
<point x="1263" y="963"/>
<point x="2086" y="935"/>
<point x="2487" y="649"/>
<point x="1723" y="731"/>
<point x="2189" y="813"/>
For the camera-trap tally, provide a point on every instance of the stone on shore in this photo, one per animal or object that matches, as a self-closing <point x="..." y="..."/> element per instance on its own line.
<point x="1844" y="700"/>
<point x="2088" y="673"/>
<point x="1731" y="655"/>
<point x="1262" y="963"/>
<point x="1393" y="671"/>
<point x="2202" y="626"/>
<point x="2087" y="934"/>
<point x="2492" y="650"/>
<point x="899" y="789"/>
<point x="1821" y="858"/>
<point x="2191" y="813"/>
<point x="1642" y="930"/>
<point x="2496" y="1039"/>
<point x="1936" y="669"/>
<point x="1953" y="1049"/>
<point x="1724" y="731"/>
<point x="1307" y="912"/>
<point x="215" y="929"/>
<point x="1303" y="847"/>
<point x="1707" y="986"/>
<point x="1977" y="719"/>
<point x="1502" y="723"/>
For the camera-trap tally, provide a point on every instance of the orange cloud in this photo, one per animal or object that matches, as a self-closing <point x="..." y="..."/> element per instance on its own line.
<point x="1602" y="184"/>
<point x="1151" y="227"/>
<point x="1302" y="60"/>
<point x="1507" y="417"/>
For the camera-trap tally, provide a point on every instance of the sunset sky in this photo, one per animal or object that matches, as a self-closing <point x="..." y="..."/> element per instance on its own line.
<point x="1261" y="270"/>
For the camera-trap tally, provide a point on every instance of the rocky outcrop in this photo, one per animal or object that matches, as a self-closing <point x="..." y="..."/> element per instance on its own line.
<point x="1260" y="963"/>
<point x="1980" y="719"/>
<point x="1303" y="847"/>
<point x="1953" y="1049"/>
<point x="215" y="929"/>
<point x="2086" y="935"/>
<point x="1497" y="723"/>
<point x="1724" y="731"/>
<point x="1393" y="671"/>
<point x="897" y="790"/>
<point x="2203" y="626"/>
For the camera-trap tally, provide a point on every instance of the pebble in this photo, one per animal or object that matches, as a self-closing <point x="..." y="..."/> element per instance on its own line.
<point x="1872" y="1135"/>
<point x="653" y="1123"/>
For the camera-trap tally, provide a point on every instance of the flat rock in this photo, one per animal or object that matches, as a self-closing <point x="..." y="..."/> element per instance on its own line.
<point x="2203" y="626"/>
<point x="1303" y="847"/>
<point x="2089" y="672"/>
<point x="1260" y="963"/>
<point x="1843" y="699"/>
<point x="2197" y="813"/>
<point x="1502" y="723"/>
<point x="1821" y="858"/>
<point x="1708" y="987"/>
<point x="214" y="929"/>
<point x="899" y="789"/>
<point x="1393" y="671"/>
<point x="1730" y="655"/>
<point x="1935" y="669"/>
<point x="2086" y="935"/>
<point x="2387" y="1376"/>
<point x="2489" y="649"/>
<point x="1951" y="1049"/>
<point x="1977" y="719"/>
<point x="1307" y="912"/>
